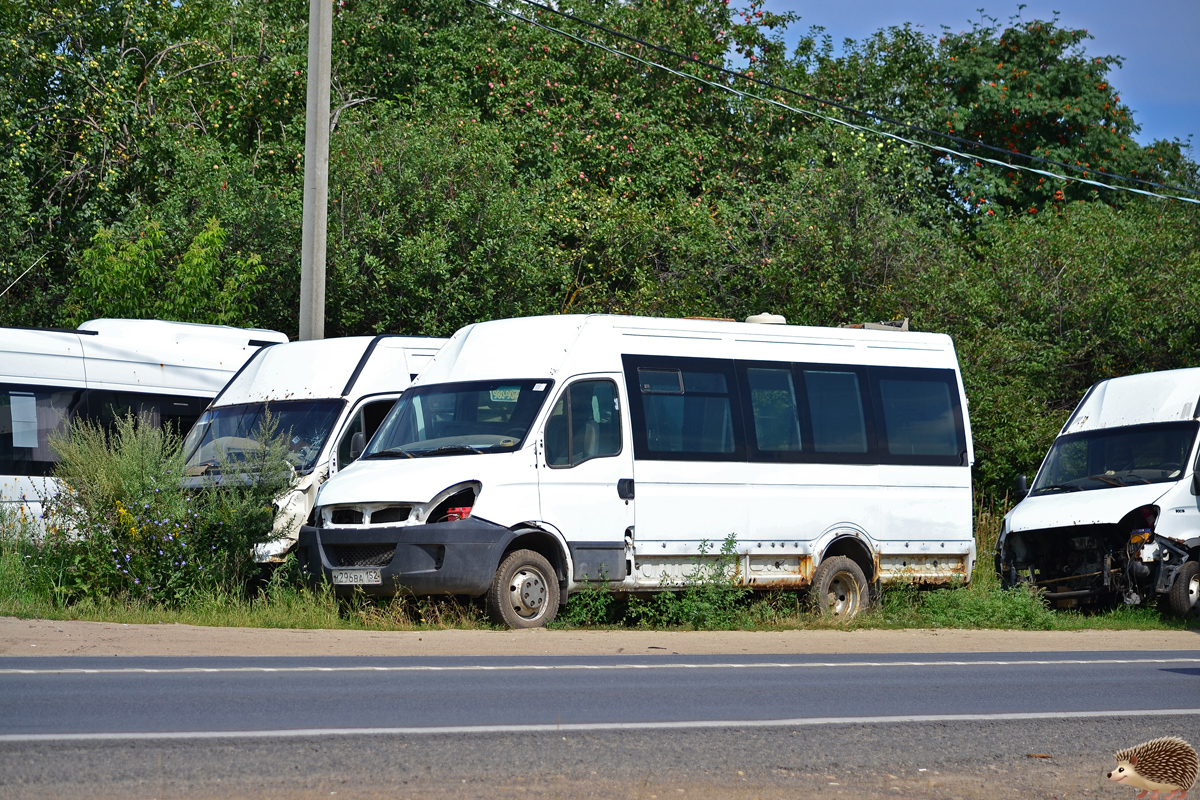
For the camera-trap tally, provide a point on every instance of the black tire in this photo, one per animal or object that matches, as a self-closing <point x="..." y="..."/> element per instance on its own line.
<point x="1185" y="591"/>
<point x="525" y="592"/>
<point x="839" y="588"/>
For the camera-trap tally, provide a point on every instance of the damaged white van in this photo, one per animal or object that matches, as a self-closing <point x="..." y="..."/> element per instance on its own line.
<point x="536" y="455"/>
<point x="1114" y="512"/>
<point x="162" y="372"/>
<point x="328" y="396"/>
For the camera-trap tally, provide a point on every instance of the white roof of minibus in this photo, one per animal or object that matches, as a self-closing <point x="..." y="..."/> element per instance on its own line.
<point x="1138" y="399"/>
<point x="561" y="346"/>
<point x="161" y="331"/>
<point x="40" y="357"/>
<point x="323" y="369"/>
<point x="131" y="354"/>
<point x="161" y="356"/>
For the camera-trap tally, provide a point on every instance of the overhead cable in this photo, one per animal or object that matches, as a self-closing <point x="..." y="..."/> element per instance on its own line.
<point x="817" y="115"/>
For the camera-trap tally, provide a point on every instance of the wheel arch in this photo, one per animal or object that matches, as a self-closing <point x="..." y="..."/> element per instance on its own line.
<point x="548" y="544"/>
<point x="860" y="552"/>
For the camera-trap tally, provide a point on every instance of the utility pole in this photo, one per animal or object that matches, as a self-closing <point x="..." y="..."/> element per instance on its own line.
<point x="316" y="171"/>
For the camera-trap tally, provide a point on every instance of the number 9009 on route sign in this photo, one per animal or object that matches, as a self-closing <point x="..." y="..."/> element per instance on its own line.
<point x="356" y="577"/>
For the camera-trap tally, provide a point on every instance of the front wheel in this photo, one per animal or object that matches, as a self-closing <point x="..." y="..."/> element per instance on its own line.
<point x="1185" y="591"/>
<point x="839" y="588"/>
<point x="524" y="593"/>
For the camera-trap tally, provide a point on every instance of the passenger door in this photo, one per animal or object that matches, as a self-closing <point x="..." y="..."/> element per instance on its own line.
<point x="584" y="457"/>
<point x="691" y="470"/>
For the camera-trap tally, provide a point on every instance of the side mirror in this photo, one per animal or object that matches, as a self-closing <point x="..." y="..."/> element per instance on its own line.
<point x="1196" y="483"/>
<point x="1021" y="487"/>
<point x="358" y="443"/>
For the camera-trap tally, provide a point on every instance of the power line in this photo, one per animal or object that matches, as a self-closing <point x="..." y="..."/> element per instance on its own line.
<point x="872" y="115"/>
<point x="835" y="120"/>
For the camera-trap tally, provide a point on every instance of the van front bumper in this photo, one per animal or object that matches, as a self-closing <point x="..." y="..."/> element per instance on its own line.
<point x="455" y="557"/>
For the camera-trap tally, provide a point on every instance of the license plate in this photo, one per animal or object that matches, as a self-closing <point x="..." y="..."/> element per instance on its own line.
<point x="356" y="577"/>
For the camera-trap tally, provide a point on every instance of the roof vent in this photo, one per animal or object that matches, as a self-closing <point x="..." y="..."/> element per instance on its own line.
<point x="766" y="319"/>
<point x="890" y="325"/>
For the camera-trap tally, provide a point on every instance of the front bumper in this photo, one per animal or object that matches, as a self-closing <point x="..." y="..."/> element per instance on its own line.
<point x="455" y="557"/>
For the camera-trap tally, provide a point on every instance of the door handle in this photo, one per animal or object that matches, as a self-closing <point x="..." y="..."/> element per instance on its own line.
<point x="625" y="488"/>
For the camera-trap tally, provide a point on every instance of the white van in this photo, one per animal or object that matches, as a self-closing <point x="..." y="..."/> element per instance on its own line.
<point x="1114" y="512"/>
<point x="329" y="396"/>
<point x="535" y="455"/>
<point x="166" y="372"/>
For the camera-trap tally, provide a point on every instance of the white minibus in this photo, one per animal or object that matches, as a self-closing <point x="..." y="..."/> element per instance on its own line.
<point x="536" y="455"/>
<point x="327" y="396"/>
<point x="166" y="372"/>
<point x="1113" y="514"/>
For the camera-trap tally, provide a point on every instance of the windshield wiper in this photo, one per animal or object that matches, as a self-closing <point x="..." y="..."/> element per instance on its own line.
<point x="1111" y="480"/>
<point x="391" y="452"/>
<point x="449" y="448"/>
<point x="1059" y="487"/>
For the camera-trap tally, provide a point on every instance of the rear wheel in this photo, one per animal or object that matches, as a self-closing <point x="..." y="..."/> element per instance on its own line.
<point x="839" y="588"/>
<point x="524" y="593"/>
<point x="1185" y="591"/>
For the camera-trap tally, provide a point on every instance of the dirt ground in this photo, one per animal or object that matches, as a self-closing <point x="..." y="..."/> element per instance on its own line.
<point x="39" y="637"/>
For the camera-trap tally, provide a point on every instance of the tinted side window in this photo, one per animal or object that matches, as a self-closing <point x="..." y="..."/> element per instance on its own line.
<point x="773" y="409"/>
<point x="683" y="408"/>
<point x="161" y="410"/>
<point x="835" y="410"/>
<point x="29" y="415"/>
<point x="920" y="418"/>
<point x="585" y="424"/>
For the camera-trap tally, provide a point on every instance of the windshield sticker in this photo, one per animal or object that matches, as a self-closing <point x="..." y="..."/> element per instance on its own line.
<point x="539" y="387"/>
<point x="505" y="394"/>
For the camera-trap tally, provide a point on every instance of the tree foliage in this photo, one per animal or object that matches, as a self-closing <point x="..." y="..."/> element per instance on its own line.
<point x="481" y="167"/>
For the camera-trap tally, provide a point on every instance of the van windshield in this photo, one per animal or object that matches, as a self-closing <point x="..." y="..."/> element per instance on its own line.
<point x="229" y="433"/>
<point x="458" y="418"/>
<point x="1128" y="456"/>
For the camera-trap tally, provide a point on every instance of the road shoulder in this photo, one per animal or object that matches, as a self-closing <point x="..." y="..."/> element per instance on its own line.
<point x="40" y="637"/>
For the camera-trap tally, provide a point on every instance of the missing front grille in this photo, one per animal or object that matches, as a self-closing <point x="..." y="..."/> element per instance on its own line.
<point x="346" y="516"/>
<point x="390" y="514"/>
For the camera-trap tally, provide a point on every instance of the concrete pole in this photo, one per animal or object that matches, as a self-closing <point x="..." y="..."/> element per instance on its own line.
<point x="316" y="171"/>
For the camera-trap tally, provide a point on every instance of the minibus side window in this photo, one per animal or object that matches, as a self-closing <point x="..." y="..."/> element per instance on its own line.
<point x="29" y="415"/>
<point x="773" y="409"/>
<point x="835" y="410"/>
<point x="584" y="424"/>
<point x="684" y="408"/>
<point x="179" y="413"/>
<point x="918" y="416"/>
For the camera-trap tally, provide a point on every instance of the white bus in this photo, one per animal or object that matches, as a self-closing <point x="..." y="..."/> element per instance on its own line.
<point x="166" y="372"/>
<point x="535" y="455"/>
<point x="1113" y="514"/>
<point x="327" y="396"/>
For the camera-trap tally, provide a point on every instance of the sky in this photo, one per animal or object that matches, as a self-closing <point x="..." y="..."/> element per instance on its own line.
<point x="1159" y="40"/>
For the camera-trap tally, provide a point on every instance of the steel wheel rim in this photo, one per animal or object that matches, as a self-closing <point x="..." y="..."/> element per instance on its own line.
<point x="1193" y="594"/>
<point x="527" y="591"/>
<point x="842" y="598"/>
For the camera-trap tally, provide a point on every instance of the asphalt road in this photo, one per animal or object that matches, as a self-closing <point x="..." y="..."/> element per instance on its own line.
<point x="59" y="696"/>
<point x="957" y="725"/>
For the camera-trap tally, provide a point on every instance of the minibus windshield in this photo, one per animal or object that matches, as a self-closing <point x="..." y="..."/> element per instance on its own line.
<point x="231" y="433"/>
<point x="1112" y="457"/>
<point x="459" y="418"/>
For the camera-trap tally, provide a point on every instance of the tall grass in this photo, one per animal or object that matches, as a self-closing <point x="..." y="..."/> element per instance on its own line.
<point x="281" y="600"/>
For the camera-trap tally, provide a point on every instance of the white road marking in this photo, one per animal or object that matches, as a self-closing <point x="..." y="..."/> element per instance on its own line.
<point x="458" y="730"/>
<point x="595" y="667"/>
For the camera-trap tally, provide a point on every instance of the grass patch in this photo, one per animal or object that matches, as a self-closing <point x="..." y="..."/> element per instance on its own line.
<point x="714" y="603"/>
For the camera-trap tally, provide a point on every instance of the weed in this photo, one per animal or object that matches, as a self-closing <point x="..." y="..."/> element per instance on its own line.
<point x="123" y="528"/>
<point x="711" y="599"/>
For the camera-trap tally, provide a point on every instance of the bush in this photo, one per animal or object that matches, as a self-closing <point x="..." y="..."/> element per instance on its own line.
<point x="122" y="527"/>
